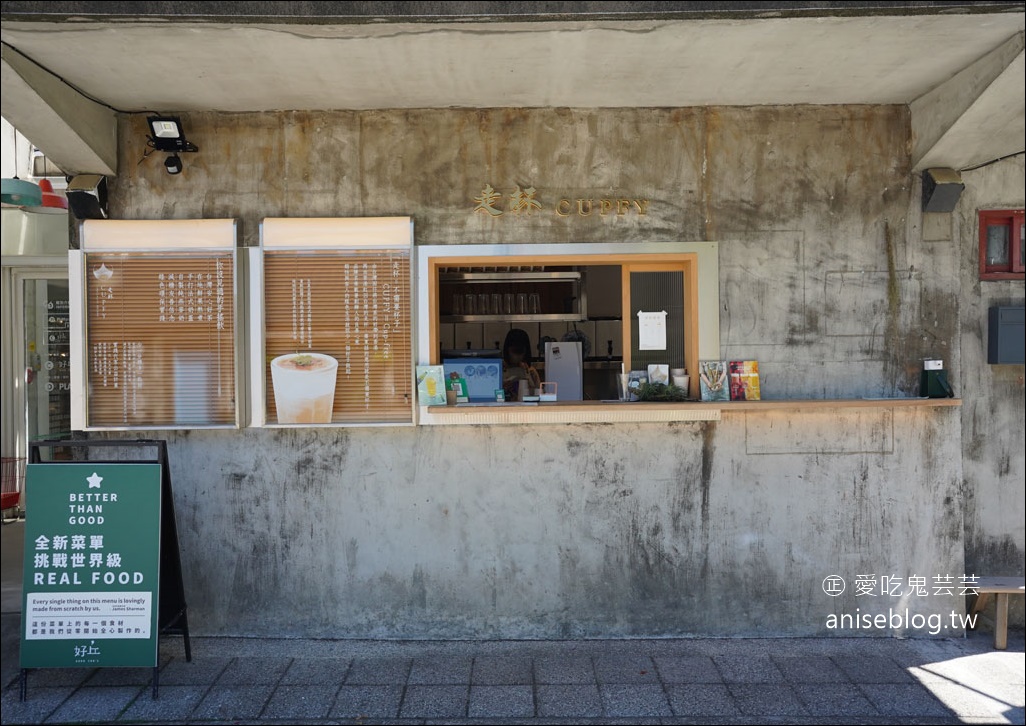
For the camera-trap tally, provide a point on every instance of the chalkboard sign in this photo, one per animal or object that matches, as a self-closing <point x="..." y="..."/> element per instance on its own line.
<point x="92" y="559"/>
<point x="102" y="570"/>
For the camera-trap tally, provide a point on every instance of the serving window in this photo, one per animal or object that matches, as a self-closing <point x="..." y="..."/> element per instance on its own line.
<point x="332" y="322"/>
<point x="601" y="289"/>
<point x="154" y="307"/>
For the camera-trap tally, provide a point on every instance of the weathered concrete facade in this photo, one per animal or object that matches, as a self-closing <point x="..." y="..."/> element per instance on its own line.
<point x="993" y="415"/>
<point x="826" y="277"/>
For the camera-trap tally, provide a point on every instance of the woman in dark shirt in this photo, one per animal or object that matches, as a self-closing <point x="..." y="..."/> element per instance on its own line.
<point x="516" y="357"/>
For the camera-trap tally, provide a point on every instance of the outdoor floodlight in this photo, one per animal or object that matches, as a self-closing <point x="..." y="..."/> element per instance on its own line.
<point x="166" y="135"/>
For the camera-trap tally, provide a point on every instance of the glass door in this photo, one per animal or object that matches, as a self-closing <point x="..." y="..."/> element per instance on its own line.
<point x="37" y="373"/>
<point x="47" y="351"/>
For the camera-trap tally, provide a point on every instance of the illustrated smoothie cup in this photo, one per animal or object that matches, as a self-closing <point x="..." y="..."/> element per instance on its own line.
<point x="304" y="387"/>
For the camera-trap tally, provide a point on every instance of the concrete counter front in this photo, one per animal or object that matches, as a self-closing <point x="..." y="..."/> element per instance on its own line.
<point x="647" y="412"/>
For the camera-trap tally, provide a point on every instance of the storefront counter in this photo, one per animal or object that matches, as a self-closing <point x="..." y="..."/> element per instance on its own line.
<point x="642" y="412"/>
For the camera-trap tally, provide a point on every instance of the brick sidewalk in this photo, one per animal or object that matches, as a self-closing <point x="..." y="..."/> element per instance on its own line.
<point x="842" y="680"/>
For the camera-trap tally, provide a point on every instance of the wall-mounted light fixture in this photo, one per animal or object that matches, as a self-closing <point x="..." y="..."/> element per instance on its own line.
<point x="87" y="196"/>
<point x="941" y="189"/>
<point x="166" y="135"/>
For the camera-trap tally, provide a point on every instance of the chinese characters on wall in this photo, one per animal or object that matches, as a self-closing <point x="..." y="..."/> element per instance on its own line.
<point x="524" y="201"/>
<point x="161" y="341"/>
<point x="349" y="307"/>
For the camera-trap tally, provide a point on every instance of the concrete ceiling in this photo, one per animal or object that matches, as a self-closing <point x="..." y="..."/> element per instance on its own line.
<point x="965" y="68"/>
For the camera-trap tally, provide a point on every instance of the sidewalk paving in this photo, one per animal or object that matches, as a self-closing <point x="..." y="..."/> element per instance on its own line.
<point x="650" y="681"/>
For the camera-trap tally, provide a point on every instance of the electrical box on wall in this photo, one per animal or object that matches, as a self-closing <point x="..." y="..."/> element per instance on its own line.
<point x="1006" y="335"/>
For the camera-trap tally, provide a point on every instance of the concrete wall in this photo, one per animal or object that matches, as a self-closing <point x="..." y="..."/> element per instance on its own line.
<point x="993" y="414"/>
<point x="602" y="530"/>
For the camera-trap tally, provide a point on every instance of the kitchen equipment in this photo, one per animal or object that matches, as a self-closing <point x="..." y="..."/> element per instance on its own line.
<point x="933" y="381"/>
<point x="564" y="365"/>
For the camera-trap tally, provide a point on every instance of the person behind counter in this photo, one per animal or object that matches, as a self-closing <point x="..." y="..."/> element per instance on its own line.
<point x="516" y="357"/>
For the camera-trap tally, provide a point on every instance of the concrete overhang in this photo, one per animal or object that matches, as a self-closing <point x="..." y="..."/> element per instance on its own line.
<point x="77" y="134"/>
<point x="149" y="57"/>
<point x="977" y="116"/>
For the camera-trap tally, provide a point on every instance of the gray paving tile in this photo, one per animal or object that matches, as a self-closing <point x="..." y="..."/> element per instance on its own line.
<point x="249" y="671"/>
<point x="569" y="701"/>
<point x="687" y="669"/>
<point x="440" y="671"/>
<point x="502" y="671"/>
<point x="201" y="671"/>
<point x="564" y="670"/>
<point x="292" y="702"/>
<point x="702" y="699"/>
<point x="638" y="669"/>
<point x="173" y="703"/>
<point x="810" y="669"/>
<point x="967" y="701"/>
<point x="233" y="703"/>
<point x="767" y="700"/>
<point x="92" y="705"/>
<point x="122" y="677"/>
<point x="899" y="699"/>
<point x="634" y="700"/>
<point x="748" y="669"/>
<point x="365" y="702"/>
<point x="57" y="677"/>
<point x="872" y="669"/>
<point x="316" y="672"/>
<point x="40" y="703"/>
<point x="504" y="701"/>
<point x="835" y="699"/>
<point x="434" y="702"/>
<point x="378" y="671"/>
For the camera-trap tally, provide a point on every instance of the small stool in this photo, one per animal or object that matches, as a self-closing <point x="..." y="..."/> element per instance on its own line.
<point x="1001" y="587"/>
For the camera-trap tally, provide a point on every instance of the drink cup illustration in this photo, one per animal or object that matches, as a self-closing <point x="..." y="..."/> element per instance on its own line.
<point x="304" y="387"/>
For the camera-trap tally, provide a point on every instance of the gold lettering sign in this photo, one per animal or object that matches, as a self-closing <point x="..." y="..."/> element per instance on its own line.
<point x="524" y="201"/>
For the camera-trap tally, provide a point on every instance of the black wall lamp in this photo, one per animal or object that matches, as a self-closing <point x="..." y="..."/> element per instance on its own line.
<point x="166" y="135"/>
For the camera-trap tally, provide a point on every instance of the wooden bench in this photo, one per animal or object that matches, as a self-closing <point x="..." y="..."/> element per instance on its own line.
<point x="1001" y="588"/>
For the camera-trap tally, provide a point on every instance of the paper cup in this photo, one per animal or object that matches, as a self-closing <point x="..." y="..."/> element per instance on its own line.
<point x="304" y="387"/>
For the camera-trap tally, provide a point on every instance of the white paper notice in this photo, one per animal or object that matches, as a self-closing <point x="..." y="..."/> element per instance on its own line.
<point x="652" y="330"/>
<point x="63" y="615"/>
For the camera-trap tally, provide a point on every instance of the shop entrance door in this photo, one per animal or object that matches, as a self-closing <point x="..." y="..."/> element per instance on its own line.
<point x="37" y="373"/>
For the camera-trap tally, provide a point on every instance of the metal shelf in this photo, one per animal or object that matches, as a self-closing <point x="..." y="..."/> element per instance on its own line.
<point x="508" y="276"/>
<point x="539" y="317"/>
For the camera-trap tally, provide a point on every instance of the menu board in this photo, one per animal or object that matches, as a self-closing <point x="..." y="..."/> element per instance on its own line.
<point x="91" y="565"/>
<point x="337" y="330"/>
<point x="160" y="336"/>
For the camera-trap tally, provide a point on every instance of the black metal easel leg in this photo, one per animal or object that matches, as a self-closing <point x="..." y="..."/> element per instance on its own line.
<point x="24" y="684"/>
<point x="185" y="633"/>
<point x="156" y="680"/>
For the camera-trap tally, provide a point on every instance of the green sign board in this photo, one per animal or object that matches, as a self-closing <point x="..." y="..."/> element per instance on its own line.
<point x="92" y="565"/>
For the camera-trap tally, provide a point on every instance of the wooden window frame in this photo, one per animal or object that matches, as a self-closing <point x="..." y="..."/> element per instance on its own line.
<point x="1012" y="218"/>
<point x="686" y="262"/>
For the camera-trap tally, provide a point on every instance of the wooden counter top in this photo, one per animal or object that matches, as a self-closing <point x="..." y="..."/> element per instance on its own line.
<point x="641" y="411"/>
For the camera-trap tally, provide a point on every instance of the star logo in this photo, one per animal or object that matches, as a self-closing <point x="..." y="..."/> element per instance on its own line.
<point x="94" y="480"/>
